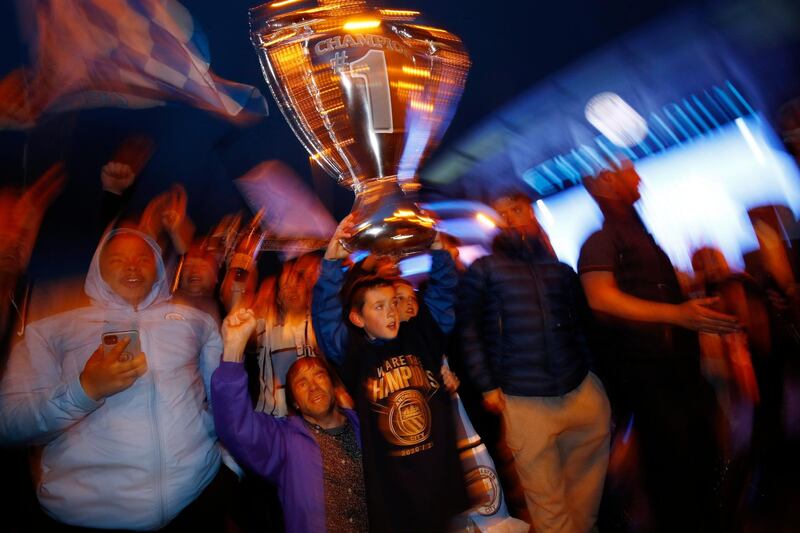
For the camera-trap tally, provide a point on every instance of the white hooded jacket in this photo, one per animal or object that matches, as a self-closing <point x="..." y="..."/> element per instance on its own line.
<point x="135" y="459"/>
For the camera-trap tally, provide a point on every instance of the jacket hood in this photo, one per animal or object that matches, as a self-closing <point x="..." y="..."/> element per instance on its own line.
<point x="101" y="293"/>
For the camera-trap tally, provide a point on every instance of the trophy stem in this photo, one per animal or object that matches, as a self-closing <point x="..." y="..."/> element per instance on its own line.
<point x="388" y="219"/>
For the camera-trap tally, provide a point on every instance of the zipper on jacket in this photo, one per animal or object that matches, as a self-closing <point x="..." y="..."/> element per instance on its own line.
<point x="546" y="322"/>
<point x="159" y="477"/>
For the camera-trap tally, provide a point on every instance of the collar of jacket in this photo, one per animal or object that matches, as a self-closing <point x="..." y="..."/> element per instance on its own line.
<point x="518" y="245"/>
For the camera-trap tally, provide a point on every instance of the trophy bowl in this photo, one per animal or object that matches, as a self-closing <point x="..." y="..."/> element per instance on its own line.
<point x="369" y="93"/>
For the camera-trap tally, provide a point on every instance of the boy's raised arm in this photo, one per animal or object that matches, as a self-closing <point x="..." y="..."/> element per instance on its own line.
<point x="326" y="305"/>
<point x="440" y="296"/>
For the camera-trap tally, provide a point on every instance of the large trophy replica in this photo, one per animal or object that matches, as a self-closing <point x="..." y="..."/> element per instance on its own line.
<point x="369" y="93"/>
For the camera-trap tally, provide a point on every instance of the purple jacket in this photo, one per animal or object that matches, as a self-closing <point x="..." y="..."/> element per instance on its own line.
<point x="279" y="449"/>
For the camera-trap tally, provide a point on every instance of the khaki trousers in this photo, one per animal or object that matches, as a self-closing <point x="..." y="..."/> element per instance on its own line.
<point x="560" y="446"/>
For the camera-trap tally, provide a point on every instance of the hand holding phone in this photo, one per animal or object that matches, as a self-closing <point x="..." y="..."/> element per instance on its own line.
<point x="114" y="366"/>
<point x="131" y="350"/>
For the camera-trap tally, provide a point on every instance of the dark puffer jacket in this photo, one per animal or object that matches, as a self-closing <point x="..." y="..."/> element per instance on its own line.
<point x="522" y="318"/>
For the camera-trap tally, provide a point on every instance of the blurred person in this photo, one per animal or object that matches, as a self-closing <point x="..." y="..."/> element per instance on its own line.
<point x="407" y="304"/>
<point x="411" y="467"/>
<point x="20" y="218"/>
<point x="290" y="335"/>
<point x="524" y="347"/>
<point x="239" y="286"/>
<point x="651" y="359"/>
<point x="21" y="215"/>
<point x="407" y="308"/>
<point x="775" y="266"/>
<point x="118" y="177"/>
<point x="789" y="126"/>
<point x="734" y="364"/>
<point x="198" y="279"/>
<point x="313" y="455"/>
<point x="124" y="440"/>
<point x="165" y="220"/>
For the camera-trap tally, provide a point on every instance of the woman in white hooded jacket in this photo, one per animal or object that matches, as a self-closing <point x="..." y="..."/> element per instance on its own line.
<point x="136" y="457"/>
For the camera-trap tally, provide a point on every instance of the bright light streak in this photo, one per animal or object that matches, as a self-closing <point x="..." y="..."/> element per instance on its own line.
<point x="398" y="12"/>
<point x="616" y="119"/>
<point x="361" y="24"/>
<point x="283" y="3"/>
<point x="409" y="86"/>
<point x="485" y="220"/>
<point x="416" y="71"/>
<point x="750" y="140"/>
<point x="546" y="214"/>
<point x="421" y="106"/>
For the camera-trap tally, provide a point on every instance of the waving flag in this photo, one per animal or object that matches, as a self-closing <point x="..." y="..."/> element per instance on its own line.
<point x="118" y="53"/>
<point x="293" y="217"/>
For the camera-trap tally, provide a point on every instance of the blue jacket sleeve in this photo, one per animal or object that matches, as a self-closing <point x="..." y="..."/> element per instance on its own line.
<point x="326" y="312"/>
<point x="440" y="296"/>
<point x="472" y="311"/>
<point x="39" y="399"/>
<point x="256" y="440"/>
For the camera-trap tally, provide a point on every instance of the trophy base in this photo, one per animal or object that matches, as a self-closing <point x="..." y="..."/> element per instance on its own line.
<point x="388" y="221"/>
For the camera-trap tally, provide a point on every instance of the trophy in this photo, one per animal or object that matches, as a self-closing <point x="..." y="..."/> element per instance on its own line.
<point x="369" y="94"/>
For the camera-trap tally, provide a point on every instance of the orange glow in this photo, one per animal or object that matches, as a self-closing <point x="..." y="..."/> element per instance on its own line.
<point x="408" y="86"/>
<point x="363" y="24"/>
<point x="429" y="28"/>
<point x="410" y="216"/>
<point x="421" y="106"/>
<point x="283" y="3"/>
<point x="415" y="71"/>
<point x="398" y="12"/>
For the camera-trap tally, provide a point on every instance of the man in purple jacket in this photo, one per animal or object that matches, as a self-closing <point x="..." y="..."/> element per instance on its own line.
<point x="313" y="458"/>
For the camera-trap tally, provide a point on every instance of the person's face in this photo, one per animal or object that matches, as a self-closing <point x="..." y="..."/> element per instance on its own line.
<point x="517" y="214"/>
<point x="238" y="288"/>
<point x="293" y="291"/>
<point x="407" y="306"/>
<point x="627" y="183"/>
<point x="313" y="392"/>
<point x="379" y="316"/>
<point x="128" y="265"/>
<point x="198" y="276"/>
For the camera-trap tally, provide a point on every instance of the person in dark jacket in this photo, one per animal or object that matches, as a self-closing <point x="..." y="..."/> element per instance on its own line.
<point x="313" y="458"/>
<point x="412" y="471"/>
<point x="524" y="347"/>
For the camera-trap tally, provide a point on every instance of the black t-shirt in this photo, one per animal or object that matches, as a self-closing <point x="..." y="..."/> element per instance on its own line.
<point x="641" y="269"/>
<point x="411" y="466"/>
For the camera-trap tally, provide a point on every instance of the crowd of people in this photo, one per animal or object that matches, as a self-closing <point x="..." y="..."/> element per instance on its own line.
<point x="195" y="393"/>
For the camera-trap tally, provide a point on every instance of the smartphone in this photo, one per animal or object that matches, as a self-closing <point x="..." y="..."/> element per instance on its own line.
<point x="134" y="347"/>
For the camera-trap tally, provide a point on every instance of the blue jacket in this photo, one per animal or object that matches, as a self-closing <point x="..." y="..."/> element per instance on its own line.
<point x="135" y="459"/>
<point x="282" y="450"/>
<point x="522" y="317"/>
